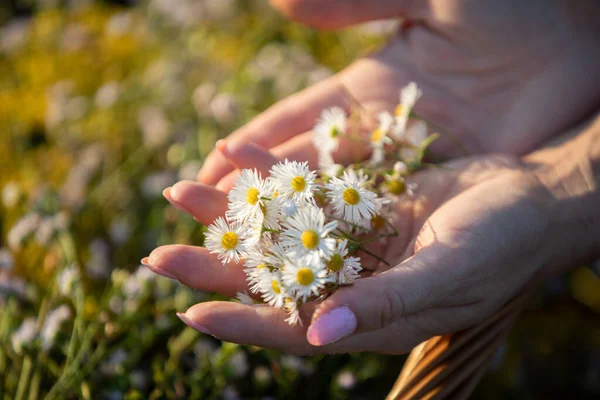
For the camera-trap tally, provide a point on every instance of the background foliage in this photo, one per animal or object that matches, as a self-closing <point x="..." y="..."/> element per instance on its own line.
<point x="104" y="105"/>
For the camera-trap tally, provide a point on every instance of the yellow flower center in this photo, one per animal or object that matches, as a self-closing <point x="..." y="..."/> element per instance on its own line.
<point x="298" y="184"/>
<point x="261" y="266"/>
<point x="335" y="264"/>
<point x="229" y="240"/>
<point x="398" y="110"/>
<point x="396" y="186"/>
<point x="378" y="222"/>
<point x="252" y="196"/>
<point x="288" y="301"/>
<point x="275" y="286"/>
<point x="310" y="239"/>
<point x="334" y="132"/>
<point x="305" y="276"/>
<point x="275" y="193"/>
<point x="376" y="136"/>
<point x="351" y="196"/>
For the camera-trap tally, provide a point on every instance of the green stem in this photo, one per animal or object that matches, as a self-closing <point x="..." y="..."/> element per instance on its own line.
<point x="24" y="378"/>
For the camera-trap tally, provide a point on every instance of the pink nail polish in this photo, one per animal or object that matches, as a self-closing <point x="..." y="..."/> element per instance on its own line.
<point x="157" y="270"/>
<point x="332" y="326"/>
<point x="192" y="324"/>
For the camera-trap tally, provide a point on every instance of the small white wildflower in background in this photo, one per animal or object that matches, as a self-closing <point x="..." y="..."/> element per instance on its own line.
<point x="22" y="229"/>
<point x="306" y="234"/>
<point x="52" y="324"/>
<point x="24" y="335"/>
<point x="226" y="240"/>
<point x="45" y="231"/>
<point x="350" y="199"/>
<point x="11" y="194"/>
<point x="120" y="230"/>
<point x="7" y="260"/>
<point x="68" y="277"/>
<point x="224" y="107"/>
<point x="346" y="380"/>
<point x="108" y="94"/>
<point x="294" y="180"/>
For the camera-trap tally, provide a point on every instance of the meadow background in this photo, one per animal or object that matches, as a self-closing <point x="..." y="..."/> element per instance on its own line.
<point x="103" y="105"/>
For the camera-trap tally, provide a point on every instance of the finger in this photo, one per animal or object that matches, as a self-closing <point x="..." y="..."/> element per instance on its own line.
<point x="378" y="302"/>
<point x="287" y="118"/>
<point x="197" y="268"/>
<point x="301" y="148"/>
<point x="264" y="326"/>
<point x="204" y="203"/>
<point x="335" y="14"/>
<point x="244" y="154"/>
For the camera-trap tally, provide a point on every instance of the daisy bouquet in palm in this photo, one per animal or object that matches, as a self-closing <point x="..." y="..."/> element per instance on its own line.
<point x="297" y="231"/>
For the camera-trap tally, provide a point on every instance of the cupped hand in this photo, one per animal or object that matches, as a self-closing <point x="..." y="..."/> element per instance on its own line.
<point x="474" y="234"/>
<point x="496" y="76"/>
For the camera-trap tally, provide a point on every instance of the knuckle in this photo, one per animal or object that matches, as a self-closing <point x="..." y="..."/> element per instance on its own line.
<point x="392" y="307"/>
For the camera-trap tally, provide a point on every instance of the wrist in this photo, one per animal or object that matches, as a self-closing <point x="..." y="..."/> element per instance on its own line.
<point x="569" y="173"/>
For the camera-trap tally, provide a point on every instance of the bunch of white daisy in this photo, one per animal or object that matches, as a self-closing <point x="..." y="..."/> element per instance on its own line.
<point x="297" y="231"/>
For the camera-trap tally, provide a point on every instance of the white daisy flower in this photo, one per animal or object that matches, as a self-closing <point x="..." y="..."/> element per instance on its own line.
<point x="277" y="256"/>
<point x="304" y="279"/>
<point x="329" y="127"/>
<point x="255" y="264"/>
<point x="272" y="289"/>
<point x="408" y="97"/>
<point x="268" y="218"/>
<point x="226" y="240"/>
<point x="246" y="197"/>
<point x="289" y="208"/>
<point x="291" y="306"/>
<point x="305" y="234"/>
<point x="244" y="298"/>
<point x="400" y="168"/>
<point x="350" y="199"/>
<point x="344" y="269"/>
<point x="294" y="180"/>
<point x="414" y="137"/>
<point x="379" y="138"/>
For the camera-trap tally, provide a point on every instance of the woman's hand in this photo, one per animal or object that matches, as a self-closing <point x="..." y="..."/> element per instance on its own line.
<point x="498" y="76"/>
<point x="478" y="231"/>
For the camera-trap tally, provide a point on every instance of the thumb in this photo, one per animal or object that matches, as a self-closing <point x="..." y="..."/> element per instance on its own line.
<point x="335" y="14"/>
<point x="377" y="302"/>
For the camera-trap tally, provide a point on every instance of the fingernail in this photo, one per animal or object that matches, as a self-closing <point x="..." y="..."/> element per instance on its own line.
<point x="332" y="326"/>
<point x="167" y="194"/>
<point x="221" y="145"/>
<point x="192" y="324"/>
<point x="157" y="270"/>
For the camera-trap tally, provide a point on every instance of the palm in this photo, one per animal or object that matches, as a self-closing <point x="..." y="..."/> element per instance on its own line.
<point x="446" y="219"/>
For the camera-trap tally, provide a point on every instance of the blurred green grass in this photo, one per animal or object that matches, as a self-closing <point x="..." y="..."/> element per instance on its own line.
<point x="101" y="107"/>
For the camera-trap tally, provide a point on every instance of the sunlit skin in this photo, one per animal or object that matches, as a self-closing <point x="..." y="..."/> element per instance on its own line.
<point x="480" y="229"/>
<point x="497" y="76"/>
